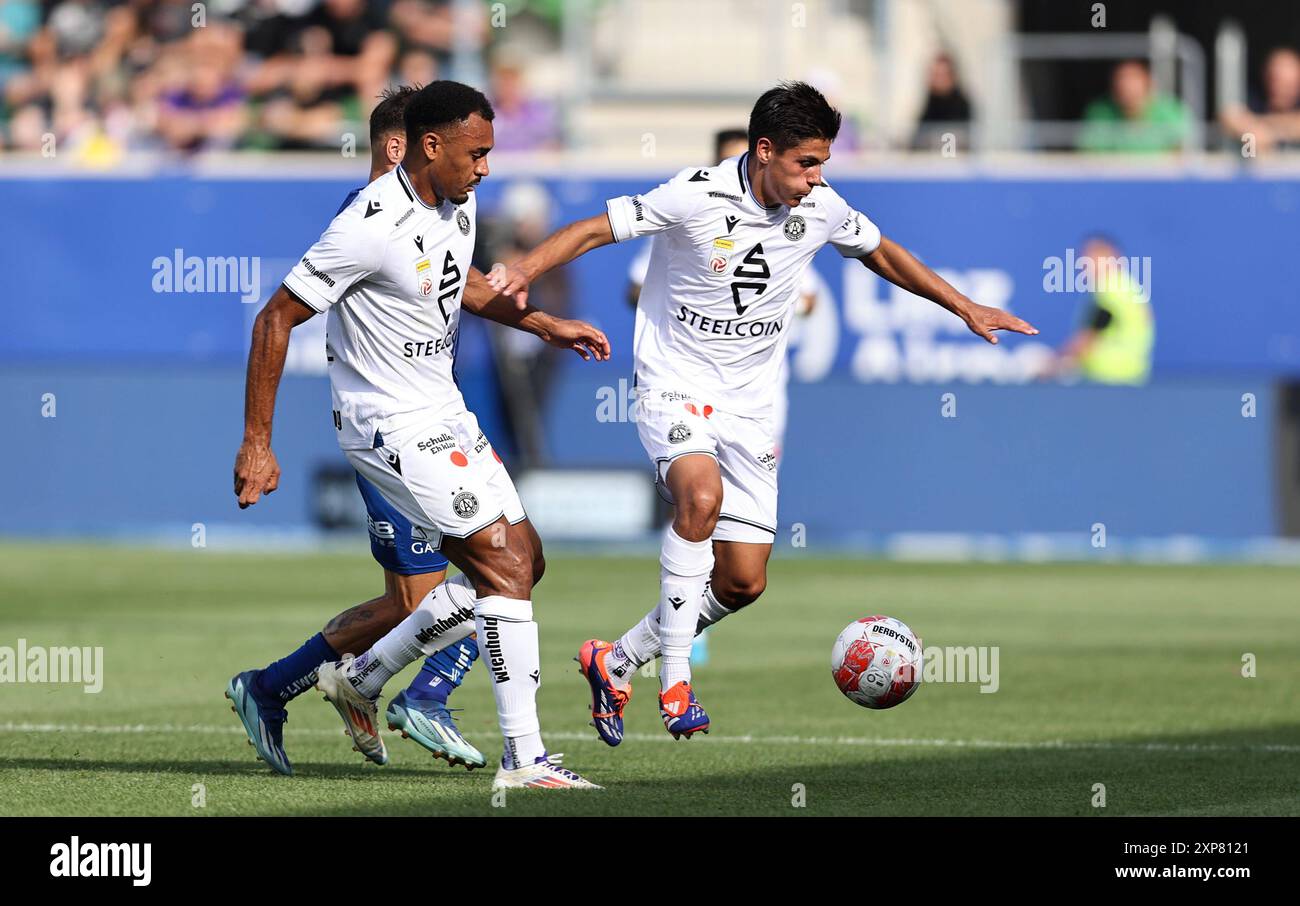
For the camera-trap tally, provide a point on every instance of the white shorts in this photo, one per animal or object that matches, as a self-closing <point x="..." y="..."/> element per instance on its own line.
<point x="444" y="477"/>
<point x="674" y="423"/>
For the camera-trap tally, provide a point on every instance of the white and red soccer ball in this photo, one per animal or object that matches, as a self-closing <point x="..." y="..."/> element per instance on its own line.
<point x="877" y="662"/>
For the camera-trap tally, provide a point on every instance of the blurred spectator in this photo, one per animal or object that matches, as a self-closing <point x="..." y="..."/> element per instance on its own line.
<point x="523" y="122"/>
<point x="849" y="140"/>
<point x="203" y="106"/>
<point x="19" y="20"/>
<point x="1115" y="340"/>
<point x="1134" y="117"/>
<point x="417" y="67"/>
<point x="1273" y="116"/>
<point x="525" y="369"/>
<point x="105" y="77"/>
<point x="946" y="108"/>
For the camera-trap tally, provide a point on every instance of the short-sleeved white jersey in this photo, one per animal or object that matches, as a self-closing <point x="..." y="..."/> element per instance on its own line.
<point x="724" y="278"/>
<point x="390" y="270"/>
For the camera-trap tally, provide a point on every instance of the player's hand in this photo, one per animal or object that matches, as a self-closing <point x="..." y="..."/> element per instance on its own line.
<point x="256" y="472"/>
<point x="510" y="282"/>
<point x="587" y="341"/>
<point x="983" y="320"/>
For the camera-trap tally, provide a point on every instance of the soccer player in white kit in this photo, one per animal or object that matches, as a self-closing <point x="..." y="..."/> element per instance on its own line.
<point x="732" y="242"/>
<point x="392" y="271"/>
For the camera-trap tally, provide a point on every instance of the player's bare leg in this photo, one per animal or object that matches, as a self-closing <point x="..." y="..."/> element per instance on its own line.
<point x="258" y="697"/>
<point x="739" y="578"/>
<point x="359" y="627"/>
<point x="504" y="562"/>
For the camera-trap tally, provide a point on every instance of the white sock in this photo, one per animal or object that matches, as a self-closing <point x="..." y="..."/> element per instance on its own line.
<point x="446" y="615"/>
<point x="686" y="567"/>
<point x="507" y="638"/>
<point x="640" y="644"/>
<point x="711" y="610"/>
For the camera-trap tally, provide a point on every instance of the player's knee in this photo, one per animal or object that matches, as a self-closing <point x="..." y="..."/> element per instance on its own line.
<point x="510" y="575"/>
<point x="734" y="592"/>
<point x="697" y="512"/>
<point x="539" y="567"/>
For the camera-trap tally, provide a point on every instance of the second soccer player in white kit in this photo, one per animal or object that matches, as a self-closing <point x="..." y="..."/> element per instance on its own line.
<point x="712" y="325"/>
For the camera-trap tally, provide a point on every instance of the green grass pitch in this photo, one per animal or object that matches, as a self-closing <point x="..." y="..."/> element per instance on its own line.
<point x="1123" y="675"/>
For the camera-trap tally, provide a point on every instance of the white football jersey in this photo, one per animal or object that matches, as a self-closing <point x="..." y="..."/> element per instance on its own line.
<point x="390" y="270"/>
<point x="724" y="277"/>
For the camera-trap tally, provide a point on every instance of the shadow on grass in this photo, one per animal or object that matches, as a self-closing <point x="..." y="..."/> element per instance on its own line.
<point x="1188" y="774"/>
<point x="232" y="768"/>
<point x="1226" y="773"/>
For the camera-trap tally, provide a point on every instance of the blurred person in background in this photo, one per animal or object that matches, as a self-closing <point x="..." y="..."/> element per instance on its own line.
<point x="431" y="26"/>
<point x="1135" y="118"/>
<point x="19" y="20"/>
<point x="828" y="82"/>
<point x="417" y="67"/>
<point x="526" y="122"/>
<point x="1272" y="116"/>
<point x="525" y="371"/>
<point x="946" y="108"/>
<point x="308" y="109"/>
<point x="1116" y="337"/>
<point x="205" y="108"/>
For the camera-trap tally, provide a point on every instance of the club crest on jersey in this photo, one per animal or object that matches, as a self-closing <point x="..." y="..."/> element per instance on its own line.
<point x="462" y="221"/>
<point x="722" y="249"/>
<point x="679" y="433"/>
<point x="465" y="504"/>
<point x="795" y="228"/>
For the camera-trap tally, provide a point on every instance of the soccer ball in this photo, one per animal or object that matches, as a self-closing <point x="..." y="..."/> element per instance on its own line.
<point x="876" y="662"/>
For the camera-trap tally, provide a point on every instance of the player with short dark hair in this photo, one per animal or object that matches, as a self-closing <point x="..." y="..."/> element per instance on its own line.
<point x="412" y="569"/>
<point x="732" y="242"/>
<point x="392" y="271"/>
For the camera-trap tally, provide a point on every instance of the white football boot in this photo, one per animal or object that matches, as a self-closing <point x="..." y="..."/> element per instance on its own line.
<point x="360" y="714"/>
<point x="543" y="774"/>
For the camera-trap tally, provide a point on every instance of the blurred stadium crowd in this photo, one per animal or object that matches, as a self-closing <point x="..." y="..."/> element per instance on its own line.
<point x="106" y="78"/>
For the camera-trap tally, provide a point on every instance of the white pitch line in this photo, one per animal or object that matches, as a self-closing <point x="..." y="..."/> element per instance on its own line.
<point x="850" y="741"/>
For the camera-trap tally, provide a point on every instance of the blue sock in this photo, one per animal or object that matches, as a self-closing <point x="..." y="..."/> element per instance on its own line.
<point x="444" y="671"/>
<point x="291" y="676"/>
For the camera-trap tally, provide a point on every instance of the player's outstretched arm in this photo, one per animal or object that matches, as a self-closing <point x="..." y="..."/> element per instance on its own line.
<point x="897" y="265"/>
<point x="555" y="250"/>
<point x="481" y="299"/>
<point x="256" y="471"/>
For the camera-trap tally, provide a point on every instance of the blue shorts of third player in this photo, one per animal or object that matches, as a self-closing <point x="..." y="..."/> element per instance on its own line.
<point x="397" y="546"/>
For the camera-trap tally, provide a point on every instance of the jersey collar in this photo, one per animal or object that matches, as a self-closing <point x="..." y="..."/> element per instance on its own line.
<point x="409" y="189"/>
<point x="747" y="189"/>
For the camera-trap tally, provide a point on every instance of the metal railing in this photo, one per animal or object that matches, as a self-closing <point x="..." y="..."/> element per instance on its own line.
<point x="1177" y="66"/>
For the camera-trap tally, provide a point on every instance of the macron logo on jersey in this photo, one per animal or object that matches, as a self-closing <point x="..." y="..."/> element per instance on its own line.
<point x="372" y="208"/>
